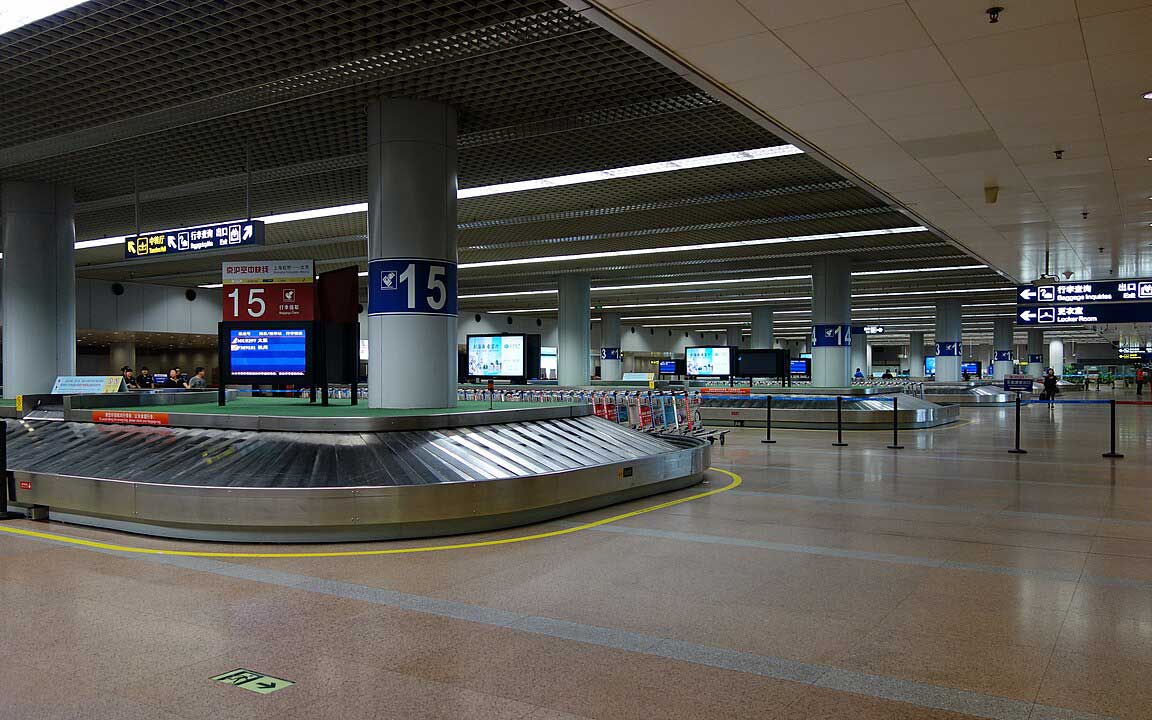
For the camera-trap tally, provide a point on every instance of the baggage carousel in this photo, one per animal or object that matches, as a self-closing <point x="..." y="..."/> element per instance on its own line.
<point x="968" y="393"/>
<point x="172" y="470"/>
<point x="863" y="408"/>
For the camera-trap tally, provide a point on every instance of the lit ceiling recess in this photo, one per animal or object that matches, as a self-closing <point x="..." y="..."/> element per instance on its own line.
<point x="18" y="13"/>
<point x="558" y="181"/>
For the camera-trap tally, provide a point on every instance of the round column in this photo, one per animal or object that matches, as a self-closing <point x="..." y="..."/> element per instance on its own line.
<point x="949" y="341"/>
<point x="574" y="331"/>
<point x="916" y="354"/>
<point x="411" y="254"/>
<point x="1035" y="353"/>
<point x="733" y="336"/>
<point x="1056" y="356"/>
<point x="39" y="281"/>
<point x="1003" y="330"/>
<point x="611" y="366"/>
<point x="831" y="321"/>
<point x="762" y="328"/>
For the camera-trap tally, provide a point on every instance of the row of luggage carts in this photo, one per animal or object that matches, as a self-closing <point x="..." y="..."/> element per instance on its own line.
<point x="658" y="412"/>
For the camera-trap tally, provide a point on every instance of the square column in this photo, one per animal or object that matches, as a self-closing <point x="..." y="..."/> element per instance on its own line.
<point x="1003" y="330"/>
<point x="831" y="321"/>
<point x="1036" y="353"/>
<point x="611" y="364"/>
<point x="949" y="341"/>
<point x="39" y="285"/>
<point x="763" y="330"/>
<point x="916" y="354"/>
<point x="574" y="330"/>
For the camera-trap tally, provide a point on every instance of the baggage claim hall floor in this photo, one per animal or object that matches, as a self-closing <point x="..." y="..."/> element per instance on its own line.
<point x="947" y="580"/>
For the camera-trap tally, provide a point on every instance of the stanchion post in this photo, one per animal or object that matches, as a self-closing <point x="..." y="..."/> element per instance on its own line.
<point x="1017" y="450"/>
<point x="839" y="422"/>
<point x="1112" y="432"/>
<point x="895" y="424"/>
<point x="768" y="423"/>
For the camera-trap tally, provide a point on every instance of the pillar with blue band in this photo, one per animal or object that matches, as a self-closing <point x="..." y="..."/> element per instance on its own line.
<point x="611" y="367"/>
<point x="1003" y="330"/>
<point x="831" y="321"/>
<point x="1036" y="353"/>
<point x="860" y="351"/>
<point x="949" y="341"/>
<point x="412" y="290"/>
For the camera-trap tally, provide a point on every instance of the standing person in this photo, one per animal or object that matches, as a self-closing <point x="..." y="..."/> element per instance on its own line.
<point x="145" y="381"/>
<point x="1050" y="388"/>
<point x="1141" y="378"/>
<point x="197" y="381"/>
<point x="129" y="378"/>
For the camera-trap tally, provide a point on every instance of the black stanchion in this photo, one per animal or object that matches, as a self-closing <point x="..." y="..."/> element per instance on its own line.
<point x="768" y="424"/>
<point x="895" y="424"/>
<point x="839" y="422"/>
<point x="1017" y="449"/>
<point x="1112" y="432"/>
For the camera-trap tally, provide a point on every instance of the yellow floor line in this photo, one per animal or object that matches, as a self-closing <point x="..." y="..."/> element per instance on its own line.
<point x="736" y="480"/>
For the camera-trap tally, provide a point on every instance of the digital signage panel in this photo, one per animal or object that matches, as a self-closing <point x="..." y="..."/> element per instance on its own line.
<point x="496" y="356"/>
<point x="268" y="353"/>
<point x="709" y="361"/>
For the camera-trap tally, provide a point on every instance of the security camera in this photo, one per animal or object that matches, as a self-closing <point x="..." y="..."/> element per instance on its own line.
<point x="1059" y="154"/>
<point x="994" y="14"/>
<point x="1084" y="215"/>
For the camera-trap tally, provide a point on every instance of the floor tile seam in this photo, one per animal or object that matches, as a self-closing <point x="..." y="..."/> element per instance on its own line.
<point x="925" y="479"/>
<point x="882" y="534"/>
<point x="1056" y="643"/>
<point x="910" y="560"/>
<point x="957" y="457"/>
<point x="483" y="615"/>
<point x="991" y="512"/>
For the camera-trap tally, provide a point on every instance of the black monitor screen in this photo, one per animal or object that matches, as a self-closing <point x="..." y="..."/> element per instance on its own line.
<point x="762" y="363"/>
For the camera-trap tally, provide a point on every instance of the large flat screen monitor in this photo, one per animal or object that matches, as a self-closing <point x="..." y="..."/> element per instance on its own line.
<point x="762" y="363"/>
<point x="278" y="353"/>
<point x="708" y="361"/>
<point x="497" y="356"/>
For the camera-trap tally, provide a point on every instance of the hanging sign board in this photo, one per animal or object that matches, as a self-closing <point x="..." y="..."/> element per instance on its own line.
<point x="1086" y="314"/>
<point x="1128" y="290"/>
<point x="195" y="239"/>
<point x="1018" y="383"/>
<point x="273" y="290"/>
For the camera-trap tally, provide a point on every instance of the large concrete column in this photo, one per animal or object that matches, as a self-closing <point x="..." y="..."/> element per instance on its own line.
<point x="121" y="354"/>
<point x="732" y="336"/>
<point x="831" y="318"/>
<point x="949" y="341"/>
<point x="1003" y="330"/>
<point x="574" y="330"/>
<point x="762" y="328"/>
<point x="916" y="354"/>
<point x="39" y="285"/>
<point x="1056" y="356"/>
<point x="611" y="366"/>
<point x="412" y="356"/>
<point x="1035" y="353"/>
<point x="860" y="351"/>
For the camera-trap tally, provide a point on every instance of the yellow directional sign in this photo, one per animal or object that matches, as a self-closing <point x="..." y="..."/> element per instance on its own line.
<point x="254" y="681"/>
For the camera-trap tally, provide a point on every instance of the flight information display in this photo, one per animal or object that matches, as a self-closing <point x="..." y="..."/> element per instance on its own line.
<point x="268" y="353"/>
<point x="799" y="367"/>
<point x="496" y="355"/>
<point x="709" y="361"/>
<point x="667" y="367"/>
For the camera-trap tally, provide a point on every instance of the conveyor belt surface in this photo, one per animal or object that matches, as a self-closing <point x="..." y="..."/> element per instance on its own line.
<point x="239" y="459"/>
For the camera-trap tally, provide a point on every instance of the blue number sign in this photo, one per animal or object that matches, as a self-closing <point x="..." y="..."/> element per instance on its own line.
<point x="831" y="336"/>
<point x="949" y="349"/>
<point x="411" y="286"/>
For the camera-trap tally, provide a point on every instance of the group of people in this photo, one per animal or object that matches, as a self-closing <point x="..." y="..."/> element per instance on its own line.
<point x="174" y="380"/>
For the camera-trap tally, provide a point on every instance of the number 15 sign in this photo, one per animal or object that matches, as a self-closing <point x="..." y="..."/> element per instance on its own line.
<point x="411" y="286"/>
<point x="260" y="291"/>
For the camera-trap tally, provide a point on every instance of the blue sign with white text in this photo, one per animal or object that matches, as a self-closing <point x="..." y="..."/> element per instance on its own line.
<point x="1035" y="358"/>
<point x="609" y="353"/>
<point x="1002" y="355"/>
<point x="949" y="349"/>
<point x="831" y="336"/>
<point x="1018" y="383"/>
<point x="1085" y="314"/>
<point x="412" y="286"/>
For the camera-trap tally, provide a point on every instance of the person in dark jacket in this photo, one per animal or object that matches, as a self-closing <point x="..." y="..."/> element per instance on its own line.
<point x="1050" y="388"/>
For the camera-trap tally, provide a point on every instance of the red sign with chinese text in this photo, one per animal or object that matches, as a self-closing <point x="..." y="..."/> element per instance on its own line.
<point x="271" y="301"/>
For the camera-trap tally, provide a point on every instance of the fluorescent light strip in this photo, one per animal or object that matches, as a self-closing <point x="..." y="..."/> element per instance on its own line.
<point x="633" y="171"/>
<point x="18" y="13"/>
<point x="101" y="242"/>
<point x="920" y="270"/>
<point x="690" y="248"/>
<point x="212" y="286"/>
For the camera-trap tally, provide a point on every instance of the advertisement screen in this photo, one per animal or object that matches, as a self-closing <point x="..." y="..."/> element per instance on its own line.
<point x="709" y="361"/>
<point x="268" y="353"/>
<point x="930" y="365"/>
<point x="496" y="356"/>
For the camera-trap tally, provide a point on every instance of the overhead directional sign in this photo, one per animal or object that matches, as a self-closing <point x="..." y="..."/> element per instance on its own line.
<point x="1136" y="290"/>
<point x="1085" y="314"/>
<point x="195" y="239"/>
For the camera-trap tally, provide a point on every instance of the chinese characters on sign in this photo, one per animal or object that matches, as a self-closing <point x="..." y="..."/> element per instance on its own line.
<point x="195" y="239"/>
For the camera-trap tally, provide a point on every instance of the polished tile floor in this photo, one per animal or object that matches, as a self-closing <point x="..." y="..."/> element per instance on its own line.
<point x="946" y="580"/>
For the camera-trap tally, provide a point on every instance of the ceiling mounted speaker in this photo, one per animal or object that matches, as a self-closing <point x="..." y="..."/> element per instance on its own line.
<point x="117" y="289"/>
<point x="991" y="193"/>
<point x="190" y="294"/>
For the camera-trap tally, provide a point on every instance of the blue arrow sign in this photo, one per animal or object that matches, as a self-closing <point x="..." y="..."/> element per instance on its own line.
<point x="1086" y="314"/>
